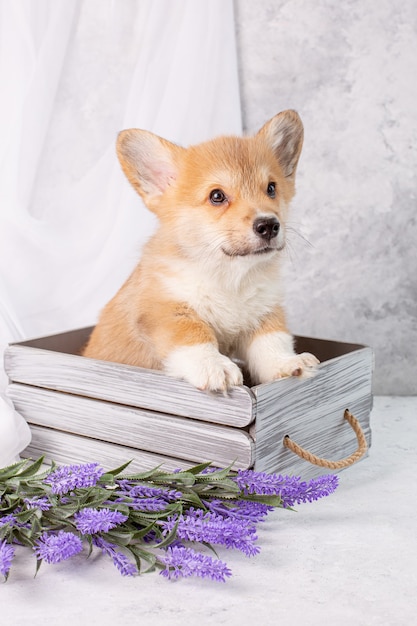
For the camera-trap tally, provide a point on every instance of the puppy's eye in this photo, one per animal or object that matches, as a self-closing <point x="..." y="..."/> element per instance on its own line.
<point x="217" y="196"/>
<point x="270" y="190"/>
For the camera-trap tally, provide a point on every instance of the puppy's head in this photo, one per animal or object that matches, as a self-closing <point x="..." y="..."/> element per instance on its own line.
<point x="227" y="197"/>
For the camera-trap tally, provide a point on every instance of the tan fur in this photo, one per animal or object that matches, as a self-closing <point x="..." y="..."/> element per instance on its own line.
<point x="207" y="284"/>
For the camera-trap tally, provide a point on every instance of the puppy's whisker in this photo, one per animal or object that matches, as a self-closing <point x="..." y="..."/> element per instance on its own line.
<point x="292" y="230"/>
<point x="290" y="251"/>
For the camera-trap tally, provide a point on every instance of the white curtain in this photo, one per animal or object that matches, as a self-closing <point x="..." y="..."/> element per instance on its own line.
<point x="72" y="74"/>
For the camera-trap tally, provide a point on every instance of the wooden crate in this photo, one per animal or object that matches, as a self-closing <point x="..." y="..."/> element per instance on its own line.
<point x="82" y="410"/>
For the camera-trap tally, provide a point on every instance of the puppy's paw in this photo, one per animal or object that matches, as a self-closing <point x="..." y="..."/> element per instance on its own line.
<point x="302" y="365"/>
<point x="204" y="367"/>
<point x="271" y="356"/>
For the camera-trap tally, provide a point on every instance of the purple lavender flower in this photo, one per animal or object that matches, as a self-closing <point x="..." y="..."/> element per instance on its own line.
<point x="313" y="490"/>
<point x="70" y="477"/>
<point x="89" y="521"/>
<point x="120" y="560"/>
<point x="240" y="509"/>
<point x="54" y="548"/>
<point x="148" y="504"/>
<point x="182" y="562"/>
<point x="125" y="567"/>
<point x="41" y="503"/>
<point x="144" y="491"/>
<point x="215" y="529"/>
<point x="290" y="488"/>
<point x="260" y="483"/>
<point x="9" y="519"/>
<point x="145" y="497"/>
<point x="6" y="557"/>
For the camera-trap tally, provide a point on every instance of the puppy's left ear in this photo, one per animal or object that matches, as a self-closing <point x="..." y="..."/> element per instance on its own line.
<point x="149" y="162"/>
<point x="285" y="133"/>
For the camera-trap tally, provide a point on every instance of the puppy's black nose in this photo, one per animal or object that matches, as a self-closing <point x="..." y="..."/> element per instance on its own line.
<point x="266" y="227"/>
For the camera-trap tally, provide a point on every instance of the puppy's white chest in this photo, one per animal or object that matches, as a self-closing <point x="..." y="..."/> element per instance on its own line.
<point x="228" y="306"/>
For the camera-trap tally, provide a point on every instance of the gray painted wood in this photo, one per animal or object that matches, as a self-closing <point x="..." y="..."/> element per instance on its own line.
<point x="67" y="448"/>
<point x="192" y="440"/>
<point x="126" y="384"/>
<point x="311" y="413"/>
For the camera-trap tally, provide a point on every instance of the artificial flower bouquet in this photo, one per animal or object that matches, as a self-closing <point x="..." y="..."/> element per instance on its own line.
<point x="143" y="522"/>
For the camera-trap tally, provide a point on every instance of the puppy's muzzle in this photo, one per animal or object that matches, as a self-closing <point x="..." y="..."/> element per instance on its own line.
<point x="266" y="227"/>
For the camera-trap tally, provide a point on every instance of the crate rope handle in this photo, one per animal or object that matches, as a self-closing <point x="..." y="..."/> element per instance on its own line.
<point x="315" y="460"/>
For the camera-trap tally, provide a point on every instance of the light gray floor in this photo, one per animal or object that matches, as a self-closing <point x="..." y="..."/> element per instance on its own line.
<point x="347" y="559"/>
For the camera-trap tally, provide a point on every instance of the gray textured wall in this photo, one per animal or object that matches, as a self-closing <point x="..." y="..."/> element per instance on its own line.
<point x="350" y="69"/>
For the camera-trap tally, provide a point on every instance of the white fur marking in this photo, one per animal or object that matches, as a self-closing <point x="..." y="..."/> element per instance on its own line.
<point x="228" y="304"/>
<point x="203" y="366"/>
<point x="272" y="356"/>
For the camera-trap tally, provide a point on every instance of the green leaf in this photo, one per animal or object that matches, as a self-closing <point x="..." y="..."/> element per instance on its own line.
<point x="115" y="472"/>
<point x="33" y="469"/>
<point x="170" y="537"/>
<point x="36" y="482"/>
<point x="24" y="533"/>
<point x="197" y="469"/>
<point x="144" y="517"/>
<point x="23" y="536"/>
<point x="93" y="498"/>
<point x="139" y="555"/>
<point x="121" y="538"/>
<point x="61" y="513"/>
<point x="4" y="531"/>
<point x="90" y="544"/>
<point x="38" y="564"/>
<point x="181" y="478"/>
<point x="141" y="475"/>
<point x="139" y="534"/>
<point x="25" y="516"/>
<point x="120" y="507"/>
<point x="222" y="485"/>
<point x="210" y="547"/>
<point x="11" y="501"/>
<point x="12" y="470"/>
<point x="275" y="501"/>
<point x="215" y="476"/>
<point x="36" y="528"/>
<point x="137" y="559"/>
<point x="193" y="498"/>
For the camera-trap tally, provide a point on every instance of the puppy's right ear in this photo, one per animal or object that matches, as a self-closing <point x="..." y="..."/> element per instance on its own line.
<point x="149" y="162"/>
<point x="284" y="133"/>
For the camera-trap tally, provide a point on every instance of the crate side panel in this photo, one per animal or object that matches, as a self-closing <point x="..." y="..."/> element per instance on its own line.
<point x="128" y="385"/>
<point x="188" y="439"/>
<point x="67" y="448"/>
<point x="311" y="413"/>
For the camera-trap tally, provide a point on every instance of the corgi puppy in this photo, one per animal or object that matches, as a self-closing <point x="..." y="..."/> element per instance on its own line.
<point x="207" y="291"/>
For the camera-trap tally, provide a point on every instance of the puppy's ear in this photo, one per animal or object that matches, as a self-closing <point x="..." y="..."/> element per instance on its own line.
<point x="149" y="162"/>
<point x="285" y="133"/>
